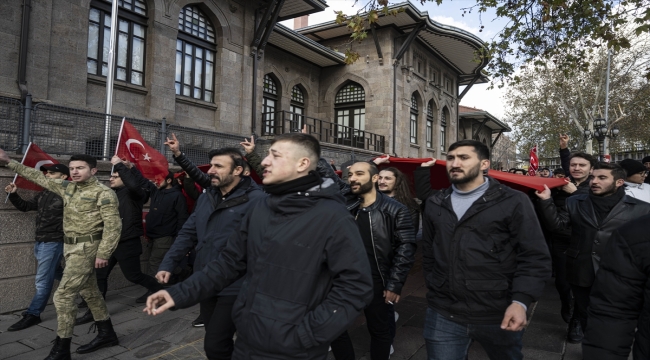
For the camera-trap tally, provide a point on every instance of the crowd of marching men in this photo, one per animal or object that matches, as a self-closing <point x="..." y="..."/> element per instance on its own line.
<point x="289" y="261"/>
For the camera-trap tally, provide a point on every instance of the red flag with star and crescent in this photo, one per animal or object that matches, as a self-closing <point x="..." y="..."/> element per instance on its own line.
<point x="132" y="147"/>
<point x="534" y="162"/>
<point x="34" y="157"/>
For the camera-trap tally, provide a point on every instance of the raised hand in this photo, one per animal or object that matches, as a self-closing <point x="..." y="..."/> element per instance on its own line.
<point x="174" y="145"/>
<point x="384" y="159"/>
<point x="249" y="146"/>
<point x="11" y="188"/>
<point x="564" y="141"/>
<point x="4" y="157"/>
<point x="544" y="194"/>
<point x="429" y="163"/>
<point x="116" y="160"/>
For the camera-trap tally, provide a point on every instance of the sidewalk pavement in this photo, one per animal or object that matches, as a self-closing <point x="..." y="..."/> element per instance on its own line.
<point x="171" y="336"/>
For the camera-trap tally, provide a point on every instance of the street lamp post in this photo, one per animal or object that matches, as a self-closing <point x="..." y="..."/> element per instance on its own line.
<point x="600" y="134"/>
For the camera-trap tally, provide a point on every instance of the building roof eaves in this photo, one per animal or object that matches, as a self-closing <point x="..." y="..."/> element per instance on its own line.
<point x="485" y="114"/>
<point x="309" y="43"/>
<point x="316" y="6"/>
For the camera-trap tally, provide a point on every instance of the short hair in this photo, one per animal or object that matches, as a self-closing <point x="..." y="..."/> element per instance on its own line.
<point x="170" y="176"/>
<point x="545" y="168"/>
<point x="522" y="171"/>
<point x="90" y="160"/>
<point x="480" y="149"/>
<point x="559" y="171"/>
<point x="234" y="153"/>
<point x="617" y="170"/>
<point x="584" y="155"/>
<point x="304" y="141"/>
<point x="372" y="167"/>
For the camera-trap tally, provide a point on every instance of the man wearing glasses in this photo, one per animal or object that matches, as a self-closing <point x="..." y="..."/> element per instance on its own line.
<point x="635" y="185"/>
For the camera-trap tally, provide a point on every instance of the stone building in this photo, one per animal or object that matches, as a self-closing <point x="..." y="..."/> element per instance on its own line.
<point x="227" y="67"/>
<point x="480" y="125"/>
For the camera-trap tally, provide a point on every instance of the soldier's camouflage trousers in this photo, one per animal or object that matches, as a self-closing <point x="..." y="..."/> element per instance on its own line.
<point x="78" y="277"/>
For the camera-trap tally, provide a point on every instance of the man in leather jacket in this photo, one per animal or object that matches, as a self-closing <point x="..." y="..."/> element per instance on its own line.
<point x="485" y="260"/>
<point x="388" y="234"/>
<point x="592" y="218"/>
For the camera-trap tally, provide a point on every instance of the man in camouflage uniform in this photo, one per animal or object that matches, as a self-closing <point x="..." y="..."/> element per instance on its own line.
<point x="92" y="226"/>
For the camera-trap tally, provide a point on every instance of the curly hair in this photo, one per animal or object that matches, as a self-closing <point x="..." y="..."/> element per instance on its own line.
<point x="402" y="189"/>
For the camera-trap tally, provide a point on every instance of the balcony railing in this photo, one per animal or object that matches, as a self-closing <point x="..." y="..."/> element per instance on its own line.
<point x="281" y="122"/>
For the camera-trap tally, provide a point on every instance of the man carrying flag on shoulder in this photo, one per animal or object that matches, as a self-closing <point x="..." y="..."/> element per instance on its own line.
<point x="48" y="247"/>
<point x="91" y="226"/>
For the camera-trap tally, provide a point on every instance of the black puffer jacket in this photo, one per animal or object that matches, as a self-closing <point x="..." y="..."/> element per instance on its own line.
<point x="307" y="276"/>
<point x="132" y="198"/>
<point x="49" y="221"/>
<point x="620" y="297"/>
<point x="588" y="237"/>
<point x="477" y="265"/>
<point x="393" y="237"/>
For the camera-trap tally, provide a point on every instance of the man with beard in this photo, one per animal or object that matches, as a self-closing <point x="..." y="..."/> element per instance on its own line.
<point x="485" y="260"/>
<point x="389" y="238"/>
<point x="592" y="218"/>
<point x="393" y="183"/>
<point x="306" y="275"/>
<point x="218" y="214"/>
<point x="131" y="197"/>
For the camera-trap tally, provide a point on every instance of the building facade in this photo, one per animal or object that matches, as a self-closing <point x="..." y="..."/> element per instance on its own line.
<point x="480" y="125"/>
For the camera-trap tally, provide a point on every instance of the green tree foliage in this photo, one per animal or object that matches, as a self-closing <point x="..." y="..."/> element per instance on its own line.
<point x="565" y="33"/>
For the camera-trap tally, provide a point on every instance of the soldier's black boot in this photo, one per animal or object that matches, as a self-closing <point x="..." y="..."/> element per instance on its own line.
<point x="106" y="336"/>
<point x="85" y="319"/>
<point x="60" y="350"/>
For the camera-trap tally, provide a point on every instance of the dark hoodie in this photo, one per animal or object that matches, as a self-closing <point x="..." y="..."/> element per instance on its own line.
<point x="306" y="278"/>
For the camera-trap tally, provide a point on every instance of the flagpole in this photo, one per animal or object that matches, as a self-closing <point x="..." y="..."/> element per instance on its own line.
<point x="110" y="79"/>
<point x="22" y="162"/>
<point x="119" y="137"/>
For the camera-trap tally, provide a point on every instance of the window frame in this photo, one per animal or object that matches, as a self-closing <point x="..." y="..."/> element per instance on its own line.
<point x="443" y="131"/>
<point x="413" y="123"/>
<point x="297" y="107"/>
<point x="269" y="125"/>
<point x="131" y="17"/>
<point x="429" y="127"/>
<point x="354" y="108"/>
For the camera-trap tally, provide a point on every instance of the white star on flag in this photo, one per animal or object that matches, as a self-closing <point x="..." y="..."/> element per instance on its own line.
<point x="147" y="157"/>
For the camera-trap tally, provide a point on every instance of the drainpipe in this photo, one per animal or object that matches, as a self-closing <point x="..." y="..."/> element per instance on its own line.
<point x="26" y="122"/>
<point x="22" y="60"/>
<point x="395" y="65"/>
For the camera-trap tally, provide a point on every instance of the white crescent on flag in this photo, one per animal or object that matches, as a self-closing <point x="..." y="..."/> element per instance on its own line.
<point x="131" y="141"/>
<point x="41" y="163"/>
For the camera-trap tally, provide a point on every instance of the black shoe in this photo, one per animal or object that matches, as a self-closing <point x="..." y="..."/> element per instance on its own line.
<point x="106" y="336"/>
<point x="575" y="334"/>
<point x="566" y="311"/>
<point x="82" y="304"/>
<point x="143" y="299"/>
<point x="85" y="319"/>
<point x="60" y="350"/>
<point x="28" y="320"/>
<point x="198" y="322"/>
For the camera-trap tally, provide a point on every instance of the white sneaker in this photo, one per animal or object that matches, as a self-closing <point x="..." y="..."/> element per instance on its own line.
<point x="396" y="316"/>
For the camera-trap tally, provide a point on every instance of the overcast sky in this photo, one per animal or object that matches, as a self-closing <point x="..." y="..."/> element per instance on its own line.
<point x="449" y="13"/>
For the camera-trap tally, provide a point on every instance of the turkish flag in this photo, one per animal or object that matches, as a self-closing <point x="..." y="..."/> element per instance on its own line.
<point x="34" y="157"/>
<point x="534" y="162"/>
<point x="439" y="179"/>
<point x="132" y="147"/>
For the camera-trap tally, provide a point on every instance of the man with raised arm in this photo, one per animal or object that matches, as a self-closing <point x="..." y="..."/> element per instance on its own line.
<point x="92" y="226"/>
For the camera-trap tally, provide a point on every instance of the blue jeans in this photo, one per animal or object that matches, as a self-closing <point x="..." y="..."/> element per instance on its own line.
<point x="449" y="340"/>
<point x="48" y="255"/>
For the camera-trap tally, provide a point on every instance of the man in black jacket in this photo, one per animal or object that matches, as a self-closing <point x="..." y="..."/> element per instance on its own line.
<point x="388" y="235"/>
<point x="592" y="218"/>
<point x="620" y="297"/>
<point x="167" y="214"/>
<point x="48" y="248"/>
<point x="306" y="274"/>
<point x="218" y="214"/>
<point x="131" y="197"/>
<point x="484" y="257"/>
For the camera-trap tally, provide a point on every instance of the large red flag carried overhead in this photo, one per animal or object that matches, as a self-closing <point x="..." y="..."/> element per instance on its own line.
<point x="534" y="162"/>
<point x="132" y="147"/>
<point x="34" y="157"/>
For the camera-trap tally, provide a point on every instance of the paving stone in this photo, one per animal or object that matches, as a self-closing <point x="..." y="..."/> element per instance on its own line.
<point x="33" y="334"/>
<point x="146" y="351"/>
<point x="33" y="355"/>
<point x="11" y="349"/>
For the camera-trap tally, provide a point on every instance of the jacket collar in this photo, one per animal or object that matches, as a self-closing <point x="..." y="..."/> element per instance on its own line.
<point x="589" y="215"/>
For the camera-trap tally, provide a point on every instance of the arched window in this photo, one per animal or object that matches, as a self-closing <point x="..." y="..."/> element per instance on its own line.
<point x="430" y="125"/>
<point x="443" y="130"/>
<point x="269" y="104"/>
<point x="297" y="106"/>
<point x="350" y="107"/>
<point x="195" y="55"/>
<point x="130" y="46"/>
<point x="414" y="120"/>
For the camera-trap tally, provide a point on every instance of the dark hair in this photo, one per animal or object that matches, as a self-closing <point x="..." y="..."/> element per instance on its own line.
<point x="305" y="141"/>
<point x="545" y="168"/>
<point x="372" y="167"/>
<point x="91" y="161"/>
<point x="170" y="176"/>
<point x="559" y="171"/>
<point x="512" y="170"/>
<point x="523" y="172"/>
<point x="234" y="153"/>
<point x="591" y="159"/>
<point x="480" y="149"/>
<point x="617" y="170"/>
<point x="402" y="190"/>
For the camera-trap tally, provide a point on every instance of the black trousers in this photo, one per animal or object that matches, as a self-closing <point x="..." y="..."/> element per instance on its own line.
<point x="219" y="327"/>
<point x="127" y="254"/>
<point x="379" y="319"/>
<point x="581" y="296"/>
<point x="559" y="266"/>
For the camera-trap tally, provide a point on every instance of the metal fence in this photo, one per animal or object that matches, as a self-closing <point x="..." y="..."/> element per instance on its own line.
<point x="11" y="119"/>
<point x="196" y="143"/>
